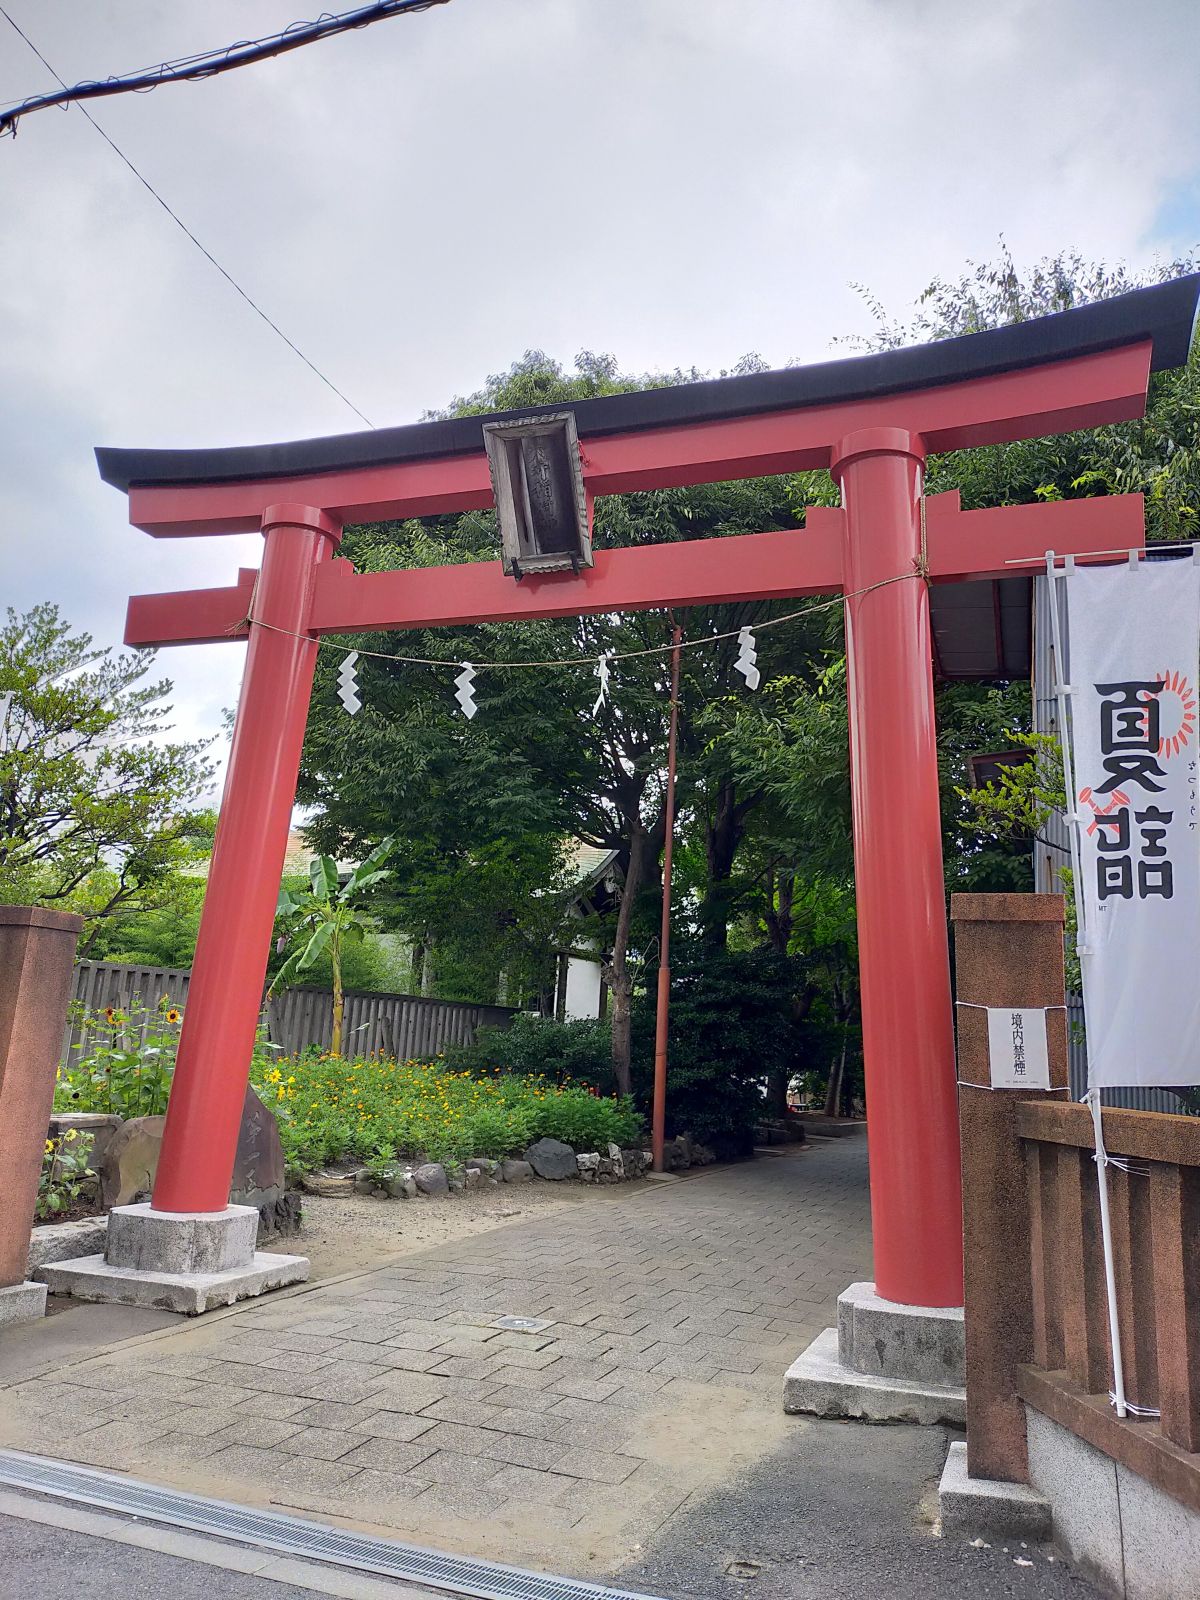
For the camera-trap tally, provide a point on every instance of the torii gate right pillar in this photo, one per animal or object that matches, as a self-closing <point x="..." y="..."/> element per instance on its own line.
<point x="908" y="1036"/>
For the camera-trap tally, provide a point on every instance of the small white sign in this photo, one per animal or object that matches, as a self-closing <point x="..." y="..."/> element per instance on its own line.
<point x="1017" y="1052"/>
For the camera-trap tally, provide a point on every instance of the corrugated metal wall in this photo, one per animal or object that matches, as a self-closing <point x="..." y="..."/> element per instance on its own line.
<point x="1052" y="851"/>
<point x="405" y="1025"/>
<point x="1055" y="851"/>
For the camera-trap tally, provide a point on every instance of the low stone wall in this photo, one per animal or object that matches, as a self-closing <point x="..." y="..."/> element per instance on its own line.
<point x="683" y="1152"/>
<point x="64" y="1241"/>
<point x="1131" y="1539"/>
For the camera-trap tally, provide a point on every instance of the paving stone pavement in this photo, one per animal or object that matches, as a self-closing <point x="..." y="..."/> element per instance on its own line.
<point x="390" y="1399"/>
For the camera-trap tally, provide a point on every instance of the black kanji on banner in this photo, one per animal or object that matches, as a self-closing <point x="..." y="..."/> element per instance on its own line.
<point x="1130" y="742"/>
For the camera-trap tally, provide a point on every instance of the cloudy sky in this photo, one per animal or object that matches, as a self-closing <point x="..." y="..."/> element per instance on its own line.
<point x="697" y="179"/>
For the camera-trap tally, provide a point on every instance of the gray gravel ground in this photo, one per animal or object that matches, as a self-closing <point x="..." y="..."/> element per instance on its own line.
<point x="842" y="1512"/>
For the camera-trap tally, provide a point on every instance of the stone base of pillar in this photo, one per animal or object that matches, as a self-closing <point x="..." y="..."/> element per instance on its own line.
<point x="189" y="1261"/>
<point x="22" y="1302"/>
<point x="976" y="1507"/>
<point x="882" y="1363"/>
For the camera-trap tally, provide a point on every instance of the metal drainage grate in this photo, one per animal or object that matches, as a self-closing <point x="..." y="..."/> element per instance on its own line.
<point x="293" y="1536"/>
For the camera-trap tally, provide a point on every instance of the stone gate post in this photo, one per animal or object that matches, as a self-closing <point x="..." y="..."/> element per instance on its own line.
<point x="37" y="959"/>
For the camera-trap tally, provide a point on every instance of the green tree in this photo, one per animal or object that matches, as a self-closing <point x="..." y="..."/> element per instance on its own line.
<point x="326" y="917"/>
<point x="95" y="802"/>
<point x="1157" y="455"/>
<point x="764" y="853"/>
<point x="163" y="934"/>
<point x="533" y="763"/>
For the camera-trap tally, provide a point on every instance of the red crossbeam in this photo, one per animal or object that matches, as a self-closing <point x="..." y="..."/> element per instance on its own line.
<point x="1058" y="397"/>
<point x="191" y="616"/>
<point x="754" y="566"/>
<point x="981" y="544"/>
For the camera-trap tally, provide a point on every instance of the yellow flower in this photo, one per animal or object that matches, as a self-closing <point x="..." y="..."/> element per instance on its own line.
<point x="49" y="1146"/>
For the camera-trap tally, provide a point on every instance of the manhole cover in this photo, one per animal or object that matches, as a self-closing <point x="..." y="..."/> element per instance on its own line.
<point x="522" y="1324"/>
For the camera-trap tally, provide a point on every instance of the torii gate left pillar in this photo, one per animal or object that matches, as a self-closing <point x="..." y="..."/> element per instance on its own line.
<point x="881" y="549"/>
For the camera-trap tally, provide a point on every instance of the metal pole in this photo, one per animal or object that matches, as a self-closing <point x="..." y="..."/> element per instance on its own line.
<point x="1066" y="730"/>
<point x="662" y="1018"/>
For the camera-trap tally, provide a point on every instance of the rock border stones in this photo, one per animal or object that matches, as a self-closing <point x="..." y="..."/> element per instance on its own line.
<point x="549" y="1160"/>
<point x="553" y="1160"/>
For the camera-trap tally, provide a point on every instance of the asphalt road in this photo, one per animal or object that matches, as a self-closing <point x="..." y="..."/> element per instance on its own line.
<point x="44" y="1563"/>
<point x="55" y="1551"/>
<point x="843" y="1512"/>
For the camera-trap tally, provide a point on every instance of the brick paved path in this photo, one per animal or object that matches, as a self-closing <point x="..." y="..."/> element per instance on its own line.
<point x="389" y="1399"/>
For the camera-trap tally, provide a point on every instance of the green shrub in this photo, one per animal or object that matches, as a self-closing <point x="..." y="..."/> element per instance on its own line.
<point x="583" y="1119"/>
<point x="66" y="1176"/>
<point x="376" y="1109"/>
<point x="561" y="1051"/>
<point x="128" y="1059"/>
<point x="731" y="1022"/>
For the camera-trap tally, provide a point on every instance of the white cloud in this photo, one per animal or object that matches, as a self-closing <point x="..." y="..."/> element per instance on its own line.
<point x="678" y="182"/>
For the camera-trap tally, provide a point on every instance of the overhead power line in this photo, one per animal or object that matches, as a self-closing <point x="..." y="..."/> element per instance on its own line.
<point x="210" y="63"/>
<point x="183" y="227"/>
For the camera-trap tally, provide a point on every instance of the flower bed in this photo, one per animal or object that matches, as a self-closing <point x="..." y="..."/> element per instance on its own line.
<point x="332" y="1108"/>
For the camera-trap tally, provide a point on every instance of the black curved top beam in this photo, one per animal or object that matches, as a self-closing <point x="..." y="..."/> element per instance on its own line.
<point x="1164" y="315"/>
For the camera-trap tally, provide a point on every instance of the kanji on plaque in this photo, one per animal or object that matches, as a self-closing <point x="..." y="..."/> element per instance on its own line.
<point x="1017" y="1053"/>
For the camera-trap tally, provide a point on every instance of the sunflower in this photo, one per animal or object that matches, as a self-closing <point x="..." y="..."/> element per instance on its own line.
<point x="173" y="1015"/>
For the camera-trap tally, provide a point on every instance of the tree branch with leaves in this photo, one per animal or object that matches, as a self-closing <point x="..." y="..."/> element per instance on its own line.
<point x="324" y="918"/>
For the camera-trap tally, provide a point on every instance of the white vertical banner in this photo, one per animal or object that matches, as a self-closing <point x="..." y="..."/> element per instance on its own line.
<point x="1134" y="647"/>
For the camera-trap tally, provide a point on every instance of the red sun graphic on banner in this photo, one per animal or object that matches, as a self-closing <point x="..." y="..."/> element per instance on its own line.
<point x="1177" y="713"/>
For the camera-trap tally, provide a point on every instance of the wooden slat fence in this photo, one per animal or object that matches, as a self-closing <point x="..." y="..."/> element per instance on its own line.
<point x="1154" y="1201"/>
<point x="1037" y="1331"/>
<point x="404" y="1025"/>
<point x="112" y="983"/>
<point x="1054" y="1341"/>
<point x="409" y="1026"/>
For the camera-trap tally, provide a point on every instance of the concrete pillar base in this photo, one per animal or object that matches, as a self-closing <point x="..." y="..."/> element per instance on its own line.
<point x="979" y="1507"/>
<point x="882" y="1363"/>
<point x="22" y="1302"/>
<point x="188" y="1261"/>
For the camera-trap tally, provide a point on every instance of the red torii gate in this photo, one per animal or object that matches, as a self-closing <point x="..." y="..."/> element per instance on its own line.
<point x="871" y="421"/>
